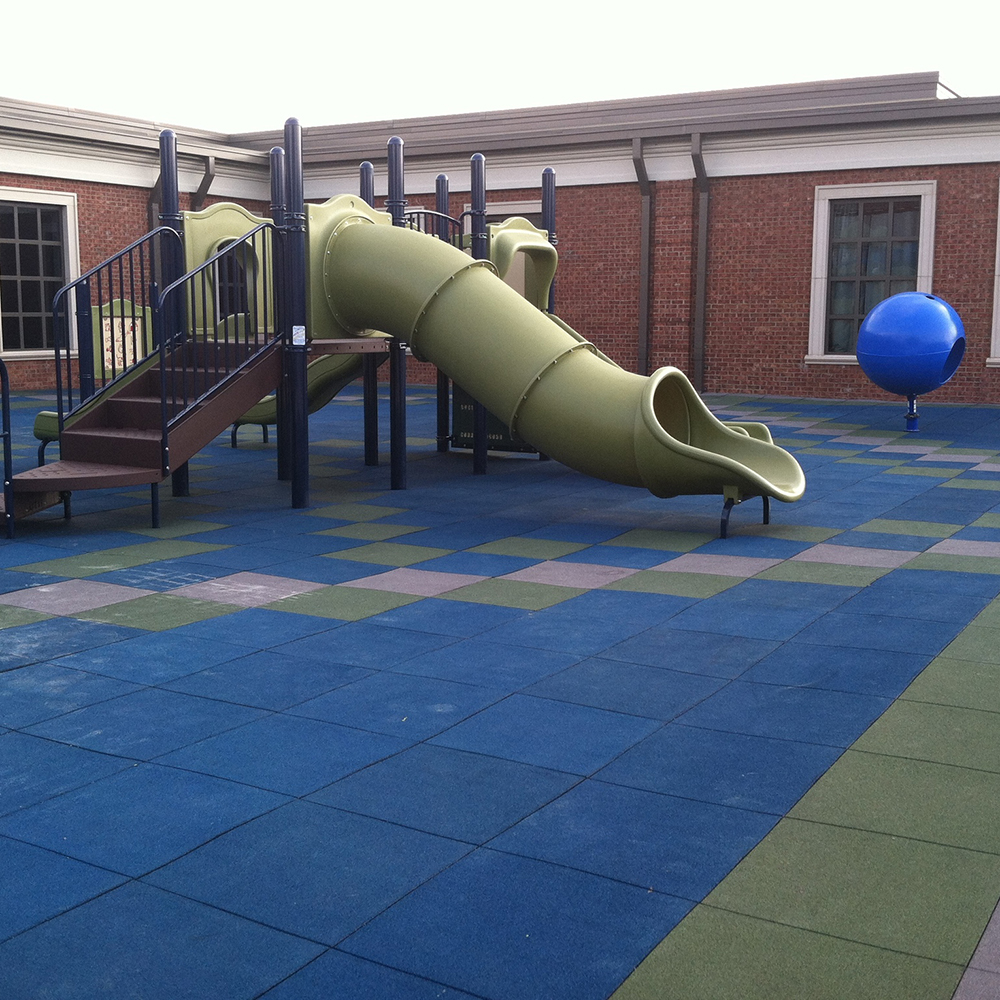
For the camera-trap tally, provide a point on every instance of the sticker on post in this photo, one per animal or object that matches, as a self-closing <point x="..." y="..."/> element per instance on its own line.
<point x="298" y="336"/>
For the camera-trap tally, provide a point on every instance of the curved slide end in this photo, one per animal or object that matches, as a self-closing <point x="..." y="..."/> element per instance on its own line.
<point x="682" y="448"/>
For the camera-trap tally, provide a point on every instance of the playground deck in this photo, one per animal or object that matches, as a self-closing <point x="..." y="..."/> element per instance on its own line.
<point x="523" y="736"/>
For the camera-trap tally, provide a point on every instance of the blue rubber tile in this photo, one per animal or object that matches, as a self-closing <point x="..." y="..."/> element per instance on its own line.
<point x="754" y="546"/>
<point x="469" y="533"/>
<point x="166" y="575"/>
<point x="33" y="769"/>
<point x="652" y="692"/>
<point x="461" y="619"/>
<point x="258" y="628"/>
<point x="507" y="928"/>
<point x="886" y="596"/>
<point x="36" y="884"/>
<point x="570" y="531"/>
<point x="490" y="664"/>
<point x="267" y="679"/>
<point x="644" y="838"/>
<point x="572" y="738"/>
<point x="985" y="585"/>
<point x="305" y="546"/>
<point x="974" y="534"/>
<point x="338" y="974"/>
<point x="417" y="789"/>
<point x="138" y="938"/>
<point x="145" y="723"/>
<point x="243" y="557"/>
<point x="153" y="657"/>
<point x="318" y="569"/>
<point x="409" y="706"/>
<point x="885" y="673"/>
<point x="130" y="822"/>
<point x="617" y="555"/>
<point x="286" y="754"/>
<point x="12" y="580"/>
<point x="240" y="535"/>
<point x="476" y="564"/>
<point x="884" y="540"/>
<point x="693" y="652"/>
<point x="45" y="640"/>
<point x="807" y="715"/>
<point x="362" y="644"/>
<point x="44" y="690"/>
<point x="24" y="553"/>
<point x="762" y="609"/>
<point x="79" y="540"/>
<point x="731" y="769"/>
<point x="310" y="870"/>
<point x="902" y="635"/>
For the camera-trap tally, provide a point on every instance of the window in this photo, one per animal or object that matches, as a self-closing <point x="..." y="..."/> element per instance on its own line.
<point x="869" y="242"/>
<point x="38" y="255"/>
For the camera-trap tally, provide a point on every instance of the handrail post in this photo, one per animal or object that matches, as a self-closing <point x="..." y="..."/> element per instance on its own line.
<point x="480" y="251"/>
<point x="442" y="207"/>
<point x="396" y="204"/>
<point x="279" y="184"/>
<point x="366" y="183"/>
<point x="549" y="220"/>
<point x="85" y="341"/>
<point x="8" y="464"/>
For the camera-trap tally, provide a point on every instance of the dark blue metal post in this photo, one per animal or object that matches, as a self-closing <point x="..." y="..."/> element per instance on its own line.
<point x="366" y="188"/>
<point x="283" y="403"/>
<point x="366" y="183"/>
<point x="442" y="206"/>
<point x="294" y="313"/>
<point x="549" y="220"/>
<point x="396" y="203"/>
<point x="85" y="340"/>
<point x="480" y="251"/>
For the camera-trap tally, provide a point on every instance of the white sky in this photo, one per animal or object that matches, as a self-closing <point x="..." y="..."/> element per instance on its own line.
<point x="217" y="65"/>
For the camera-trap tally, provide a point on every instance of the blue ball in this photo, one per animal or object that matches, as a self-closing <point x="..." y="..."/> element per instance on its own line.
<point x="911" y="343"/>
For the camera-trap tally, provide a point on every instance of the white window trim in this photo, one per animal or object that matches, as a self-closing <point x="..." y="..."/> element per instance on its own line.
<point x="993" y="361"/>
<point x="927" y="192"/>
<point x="68" y="201"/>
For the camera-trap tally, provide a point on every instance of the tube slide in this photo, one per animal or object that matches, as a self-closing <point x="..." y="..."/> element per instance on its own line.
<point x="552" y="387"/>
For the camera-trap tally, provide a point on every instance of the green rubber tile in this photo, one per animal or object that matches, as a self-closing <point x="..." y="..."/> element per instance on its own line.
<point x="349" y="604"/>
<point x="816" y="572"/>
<point x="356" y="511"/>
<point x="838" y="429"/>
<point x="957" y="806"/>
<point x="922" y="529"/>
<point x="890" y="892"/>
<point x="179" y="528"/>
<point x="793" y="532"/>
<point x="158" y="612"/>
<point x="10" y="617"/>
<point x="715" y="955"/>
<point x="987" y="521"/>
<point x="529" y="548"/>
<point x="887" y="462"/>
<point x="663" y="541"/>
<point x="965" y="737"/>
<point x="370" y="531"/>
<point x="834" y="452"/>
<point x="989" y="616"/>
<point x="934" y="471"/>
<point x="389" y="553"/>
<point x="975" y="642"/>
<point x="955" y="564"/>
<point x="123" y="557"/>
<point x="677" y="584"/>
<point x="973" y="484"/>
<point x="513" y="594"/>
<point x="962" y="683"/>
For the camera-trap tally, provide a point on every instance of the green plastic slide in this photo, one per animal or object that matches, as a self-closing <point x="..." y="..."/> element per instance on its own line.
<point x="552" y="387"/>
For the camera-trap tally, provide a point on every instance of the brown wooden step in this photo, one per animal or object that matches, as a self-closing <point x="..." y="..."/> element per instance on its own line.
<point x="26" y="504"/>
<point x="72" y="475"/>
<point x="127" y="446"/>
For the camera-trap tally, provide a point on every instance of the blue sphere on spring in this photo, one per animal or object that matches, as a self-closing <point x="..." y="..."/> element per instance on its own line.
<point x="911" y="343"/>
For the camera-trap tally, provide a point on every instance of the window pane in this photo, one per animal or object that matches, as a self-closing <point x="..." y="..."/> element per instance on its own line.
<point x="842" y="298"/>
<point x="875" y="220"/>
<point x="28" y="262"/>
<point x="906" y="219"/>
<point x="8" y="295"/>
<point x="27" y="223"/>
<point x="904" y="260"/>
<point x="8" y="259"/>
<point x="11" y="331"/>
<point x="874" y="259"/>
<point x="844" y="220"/>
<point x="51" y="287"/>
<point x="844" y="259"/>
<point x="31" y="296"/>
<point x="32" y="327"/>
<point x="872" y="293"/>
<point x="52" y="224"/>
<point x="6" y="222"/>
<point x="895" y="287"/>
<point x="52" y="262"/>
<point x="841" y="337"/>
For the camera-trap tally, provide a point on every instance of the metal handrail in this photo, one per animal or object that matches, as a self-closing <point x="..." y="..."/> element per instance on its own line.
<point x="8" y="463"/>
<point x="438" y="224"/>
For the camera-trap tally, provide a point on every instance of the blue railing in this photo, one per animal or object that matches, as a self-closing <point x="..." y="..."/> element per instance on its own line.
<point x="444" y="227"/>
<point x="112" y="306"/>
<point x="8" y="464"/>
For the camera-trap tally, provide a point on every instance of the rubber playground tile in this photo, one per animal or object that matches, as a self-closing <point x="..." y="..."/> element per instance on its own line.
<point x="157" y="612"/>
<point x="855" y="555"/>
<point x="285" y="753"/>
<point x="888" y="596"/>
<point x="102" y="561"/>
<point x="45" y="690"/>
<point x="552" y="932"/>
<point x="956" y="564"/>
<point x="514" y="594"/>
<point x="885" y="673"/>
<point x="363" y="644"/>
<point x="716" y="565"/>
<point x="34" y="769"/>
<point x="890" y="892"/>
<point x="310" y="870"/>
<point x="362" y="980"/>
<point x="531" y="548"/>
<point x="755" y="545"/>
<point x="572" y="738"/>
<point x="987" y="956"/>
<point x="138" y="934"/>
<point x="753" y="959"/>
<point x="923" y="529"/>
<point x="969" y="482"/>
<point x="342" y="602"/>
<point x="370" y="531"/>
<point x="410" y="706"/>
<point x="650" y="692"/>
<point x="452" y="618"/>
<point x="320" y="569"/>
<point x="355" y="511"/>
<point x="693" y="585"/>
<point x="880" y="632"/>
<point x="823" y="573"/>
<point x="978" y="643"/>
<point x="11" y="617"/>
<point x="962" y="683"/>
<point x="978" y="984"/>
<point x="129" y="822"/>
<point x="963" y="737"/>
<point x="418" y="582"/>
<point x="661" y="541"/>
<point x="167" y="575"/>
<point x="70" y="596"/>
<point x="248" y="558"/>
<point x="570" y="574"/>
<point x="246" y="590"/>
<point x="267" y="679"/>
<point x="477" y="564"/>
<point x="730" y="769"/>
<point x="572" y="531"/>
<point x="494" y="665"/>
<point x="959" y="806"/>
<point x="39" y="641"/>
<point x="416" y="789"/>
<point x="965" y="547"/>
<point x="609" y="555"/>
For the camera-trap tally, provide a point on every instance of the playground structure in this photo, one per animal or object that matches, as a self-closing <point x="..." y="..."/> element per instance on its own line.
<point x="909" y="344"/>
<point x="187" y="331"/>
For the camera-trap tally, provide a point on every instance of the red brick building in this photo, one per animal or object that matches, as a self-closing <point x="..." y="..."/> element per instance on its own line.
<point x="740" y="235"/>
